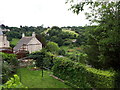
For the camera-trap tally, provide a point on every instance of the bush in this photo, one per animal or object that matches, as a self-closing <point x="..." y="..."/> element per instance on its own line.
<point x="81" y="75"/>
<point x="10" y="58"/>
<point x="62" y="52"/>
<point x="14" y="83"/>
<point x="8" y="66"/>
<point x="66" y="43"/>
<point x="6" y="71"/>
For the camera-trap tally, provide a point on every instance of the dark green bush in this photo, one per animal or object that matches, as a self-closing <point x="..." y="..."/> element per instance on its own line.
<point x="6" y="71"/>
<point x="67" y="43"/>
<point x="81" y="75"/>
<point x="62" y="52"/>
<point x="9" y="64"/>
<point x="10" y="58"/>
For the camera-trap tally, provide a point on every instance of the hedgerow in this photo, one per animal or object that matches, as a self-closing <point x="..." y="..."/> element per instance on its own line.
<point x="82" y="76"/>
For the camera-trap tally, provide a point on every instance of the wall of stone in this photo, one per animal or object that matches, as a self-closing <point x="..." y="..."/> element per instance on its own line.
<point x="4" y="42"/>
<point x="34" y="45"/>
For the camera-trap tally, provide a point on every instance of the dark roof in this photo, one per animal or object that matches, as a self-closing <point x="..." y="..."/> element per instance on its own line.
<point x="5" y="50"/>
<point x="24" y="40"/>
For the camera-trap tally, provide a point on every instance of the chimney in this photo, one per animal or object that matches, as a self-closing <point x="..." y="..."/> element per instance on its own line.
<point x="5" y="38"/>
<point x="23" y="35"/>
<point x="33" y="34"/>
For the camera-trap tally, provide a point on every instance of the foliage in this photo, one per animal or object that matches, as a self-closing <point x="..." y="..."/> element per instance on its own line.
<point x="82" y="37"/>
<point x="7" y="71"/>
<point x="14" y="83"/>
<point x="10" y="58"/>
<point x="81" y="75"/>
<point x="48" y="60"/>
<point x="16" y="32"/>
<point x="38" y="56"/>
<point x="43" y="58"/>
<point x="42" y="39"/>
<point x="62" y="52"/>
<point x="61" y="35"/>
<point x="75" y="54"/>
<point x="54" y="31"/>
<point x="52" y="47"/>
<point x="72" y="33"/>
<point x="104" y="41"/>
<point x="8" y="65"/>
<point x="66" y="43"/>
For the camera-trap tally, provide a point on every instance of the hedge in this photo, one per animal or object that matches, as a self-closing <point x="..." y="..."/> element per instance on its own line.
<point x="82" y="76"/>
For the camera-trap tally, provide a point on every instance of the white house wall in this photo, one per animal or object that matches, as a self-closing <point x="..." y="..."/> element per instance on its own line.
<point x="4" y="42"/>
<point x="34" y="45"/>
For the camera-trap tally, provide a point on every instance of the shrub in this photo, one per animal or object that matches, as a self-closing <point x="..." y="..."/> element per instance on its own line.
<point x="6" y="71"/>
<point x="66" y="43"/>
<point x="81" y="75"/>
<point x="10" y="58"/>
<point x="62" y="52"/>
<point x="14" y="83"/>
<point x="8" y="65"/>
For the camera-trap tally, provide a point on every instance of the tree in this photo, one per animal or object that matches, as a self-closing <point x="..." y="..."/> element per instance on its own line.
<point x="53" y="47"/>
<point x="41" y="39"/>
<point x="103" y="47"/>
<point x="56" y="28"/>
<point x="42" y="58"/>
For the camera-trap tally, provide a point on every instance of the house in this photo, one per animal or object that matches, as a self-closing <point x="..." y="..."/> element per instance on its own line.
<point x="4" y="43"/>
<point x="30" y="44"/>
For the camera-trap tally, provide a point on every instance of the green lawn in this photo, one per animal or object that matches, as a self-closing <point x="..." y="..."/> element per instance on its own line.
<point x="34" y="79"/>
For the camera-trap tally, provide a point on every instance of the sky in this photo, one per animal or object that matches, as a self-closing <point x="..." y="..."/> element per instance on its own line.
<point x="38" y="12"/>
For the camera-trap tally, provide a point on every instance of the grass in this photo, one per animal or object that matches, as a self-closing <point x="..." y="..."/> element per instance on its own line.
<point x="14" y="41"/>
<point x="34" y="79"/>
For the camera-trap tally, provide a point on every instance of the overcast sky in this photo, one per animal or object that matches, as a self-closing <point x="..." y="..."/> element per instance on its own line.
<point x="38" y="12"/>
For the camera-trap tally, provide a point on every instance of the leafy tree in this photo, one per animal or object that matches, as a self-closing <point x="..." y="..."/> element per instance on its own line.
<point x="62" y="52"/>
<point x="38" y="56"/>
<point x="52" y="47"/>
<point x="56" y="28"/>
<point x="42" y="39"/>
<point x="2" y="26"/>
<point x="103" y="42"/>
<point x="43" y="58"/>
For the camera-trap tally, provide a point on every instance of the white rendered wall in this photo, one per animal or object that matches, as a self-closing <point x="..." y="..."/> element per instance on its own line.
<point x="34" y="45"/>
<point x="4" y="42"/>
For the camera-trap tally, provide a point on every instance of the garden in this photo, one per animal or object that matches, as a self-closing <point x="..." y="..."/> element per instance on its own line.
<point x="30" y="76"/>
<point x="71" y="56"/>
<point x="34" y="79"/>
